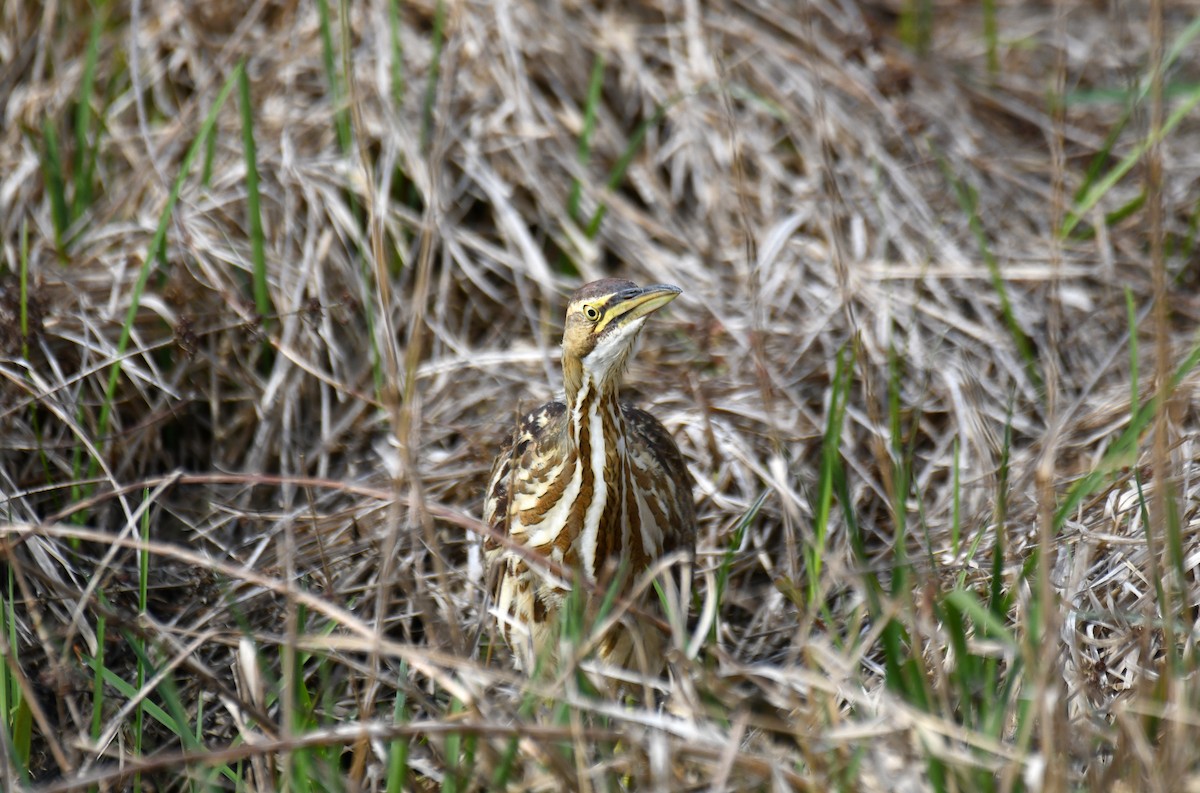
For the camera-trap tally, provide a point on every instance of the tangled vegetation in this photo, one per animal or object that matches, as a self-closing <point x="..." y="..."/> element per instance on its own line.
<point x="277" y="278"/>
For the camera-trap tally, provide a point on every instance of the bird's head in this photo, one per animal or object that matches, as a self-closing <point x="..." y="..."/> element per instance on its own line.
<point x="603" y="322"/>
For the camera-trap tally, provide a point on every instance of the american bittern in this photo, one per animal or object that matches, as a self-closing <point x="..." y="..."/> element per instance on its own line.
<point x="587" y="483"/>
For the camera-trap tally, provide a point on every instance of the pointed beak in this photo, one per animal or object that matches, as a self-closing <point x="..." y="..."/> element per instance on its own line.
<point x="634" y="304"/>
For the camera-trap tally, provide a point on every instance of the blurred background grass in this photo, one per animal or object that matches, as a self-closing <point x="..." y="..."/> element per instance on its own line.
<point x="276" y="278"/>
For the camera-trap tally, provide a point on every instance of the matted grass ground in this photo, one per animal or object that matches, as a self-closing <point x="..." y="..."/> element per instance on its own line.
<point x="277" y="278"/>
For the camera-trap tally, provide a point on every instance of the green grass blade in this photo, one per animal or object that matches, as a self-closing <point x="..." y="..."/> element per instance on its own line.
<point x="968" y="201"/>
<point x="1123" y="451"/>
<point x="1189" y="239"/>
<point x="990" y="36"/>
<point x="984" y="616"/>
<point x="622" y="165"/>
<point x="1180" y="45"/>
<point x="830" y="461"/>
<point x="262" y="295"/>
<point x="454" y="760"/>
<point x="85" y="153"/>
<point x="23" y="265"/>
<point x="437" y="40"/>
<point x="1103" y="186"/>
<point x="154" y="710"/>
<point x="174" y="704"/>
<point x="617" y="174"/>
<point x="55" y="184"/>
<point x="610" y="595"/>
<point x="397" y="49"/>
<point x="210" y="152"/>
<point x="900" y="473"/>
<point x="22" y="737"/>
<point x="398" y="752"/>
<point x="98" y="680"/>
<point x="174" y="715"/>
<point x="1143" y="504"/>
<point x="584" y="151"/>
<point x="735" y="542"/>
<point x="1095" y="169"/>
<point x="341" y="114"/>
<point x="1128" y="209"/>
<point x="7" y="695"/>
<point x="1173" y="531"/>
<point x="16" y="719"/>
<point x="999" y="602"/>
<point x="1131" y="320"/>
<point x="916" y="25"/>
<point x="1089" y="187"/>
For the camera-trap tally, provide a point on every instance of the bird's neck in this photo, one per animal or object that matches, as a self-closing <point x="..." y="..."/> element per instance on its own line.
<point x="596" y="424"/>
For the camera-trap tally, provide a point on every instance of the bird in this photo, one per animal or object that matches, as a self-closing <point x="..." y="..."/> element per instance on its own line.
<point x="586" y="483"/>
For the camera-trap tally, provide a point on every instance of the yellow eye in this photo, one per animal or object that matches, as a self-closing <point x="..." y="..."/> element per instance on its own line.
<point x="591" y="313"/>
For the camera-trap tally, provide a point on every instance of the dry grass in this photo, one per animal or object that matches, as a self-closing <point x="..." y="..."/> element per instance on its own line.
<point x="972" y="567"/>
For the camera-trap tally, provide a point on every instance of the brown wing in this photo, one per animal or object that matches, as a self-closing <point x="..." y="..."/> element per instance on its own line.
<point x="511" y="584"/>
<point x="516" y="453"/>
<point x="655" y="439"/>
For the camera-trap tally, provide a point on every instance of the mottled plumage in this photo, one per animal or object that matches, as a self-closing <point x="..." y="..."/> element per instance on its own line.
<point x="586" y="482"/>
